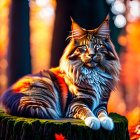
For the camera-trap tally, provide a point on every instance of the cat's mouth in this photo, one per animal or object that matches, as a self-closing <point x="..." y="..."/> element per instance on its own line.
<point x="91" y="64"/>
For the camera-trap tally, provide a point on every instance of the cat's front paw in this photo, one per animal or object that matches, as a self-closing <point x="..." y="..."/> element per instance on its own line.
<point x="107" y="123"/>
<point x="93" y="123"/>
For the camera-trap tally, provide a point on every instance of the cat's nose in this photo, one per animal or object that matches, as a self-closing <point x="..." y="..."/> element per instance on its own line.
<point x="91" y="52"/>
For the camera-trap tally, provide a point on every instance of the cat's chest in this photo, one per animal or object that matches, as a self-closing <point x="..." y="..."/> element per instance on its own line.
<point x="95" y="77"/>
<point x="91" y="75"/>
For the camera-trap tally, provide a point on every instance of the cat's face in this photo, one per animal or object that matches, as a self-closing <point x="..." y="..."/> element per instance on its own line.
<point x="91" y="50"/>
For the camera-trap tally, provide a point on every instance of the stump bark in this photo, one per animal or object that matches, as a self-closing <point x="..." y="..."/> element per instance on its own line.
<point x="19" y="128"/>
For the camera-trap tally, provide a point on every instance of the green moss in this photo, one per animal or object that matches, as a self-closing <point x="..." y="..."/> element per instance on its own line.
<point x="17" y="128"/>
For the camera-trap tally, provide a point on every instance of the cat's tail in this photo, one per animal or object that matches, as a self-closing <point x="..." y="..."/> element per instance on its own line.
<point x="20" y="104"/>
<point x="10" y="101"/>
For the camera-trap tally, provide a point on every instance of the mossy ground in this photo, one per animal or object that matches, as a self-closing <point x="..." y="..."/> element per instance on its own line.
<point x="19" y="128"/>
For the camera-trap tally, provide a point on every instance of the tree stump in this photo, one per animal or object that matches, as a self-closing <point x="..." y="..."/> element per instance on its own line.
<point x="19" y="128"/>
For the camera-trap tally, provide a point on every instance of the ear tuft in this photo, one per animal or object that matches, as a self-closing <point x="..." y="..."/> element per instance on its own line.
<point x="71" y="19"/>
<point x="107" y="17"/>
<point x="103" y="29"/>
<point x="77" y="31"/>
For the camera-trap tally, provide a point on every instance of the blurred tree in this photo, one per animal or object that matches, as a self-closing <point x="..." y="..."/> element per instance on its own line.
<point x="19" y="60"/>
<point x="88" y="14"/>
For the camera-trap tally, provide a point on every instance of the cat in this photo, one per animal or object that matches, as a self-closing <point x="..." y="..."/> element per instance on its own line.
<point x="79" y="88"/>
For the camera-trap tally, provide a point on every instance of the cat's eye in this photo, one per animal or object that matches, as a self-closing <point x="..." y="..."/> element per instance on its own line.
<point x="84" y="46"/>
<point x="96" y="47"/>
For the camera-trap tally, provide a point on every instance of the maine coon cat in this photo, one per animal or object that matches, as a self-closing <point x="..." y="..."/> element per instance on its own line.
<point x="79" y="88"/>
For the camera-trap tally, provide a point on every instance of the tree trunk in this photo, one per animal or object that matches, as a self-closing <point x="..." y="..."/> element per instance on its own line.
<point x="19" y="60"/>
<point x="19" y="128"/>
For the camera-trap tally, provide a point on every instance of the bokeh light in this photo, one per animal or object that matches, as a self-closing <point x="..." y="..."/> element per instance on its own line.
<point x="42" y="15"/>
<point x="4" y="10"/>
<point x="120" y="21"/>
<point x="134" y="8"/>
<point x="42" y="3"/>
<point x="46" y="12"/>
<point x="118" y="7"/>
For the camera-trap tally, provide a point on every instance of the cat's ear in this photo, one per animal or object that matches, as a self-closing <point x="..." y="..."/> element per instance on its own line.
<point x="103" y="29"/>
<point x="77" y="31"/>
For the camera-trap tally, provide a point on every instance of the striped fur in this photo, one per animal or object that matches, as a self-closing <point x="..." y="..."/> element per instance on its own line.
<point x="80" y="87"/>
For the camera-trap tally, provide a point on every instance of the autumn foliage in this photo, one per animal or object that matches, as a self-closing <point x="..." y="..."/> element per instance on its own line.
<point x="59" y="137"/>
<point x="135" y="132"/>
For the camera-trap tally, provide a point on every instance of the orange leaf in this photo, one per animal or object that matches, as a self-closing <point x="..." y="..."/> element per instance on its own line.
<point x="59" y="137"/>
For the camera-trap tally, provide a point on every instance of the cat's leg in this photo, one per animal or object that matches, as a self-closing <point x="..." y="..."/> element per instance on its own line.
<point x="106" y="122"/>
<point x="81" y="111"/>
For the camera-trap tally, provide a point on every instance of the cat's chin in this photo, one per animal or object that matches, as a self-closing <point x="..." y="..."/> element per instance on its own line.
<point x="91" y="64"/>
